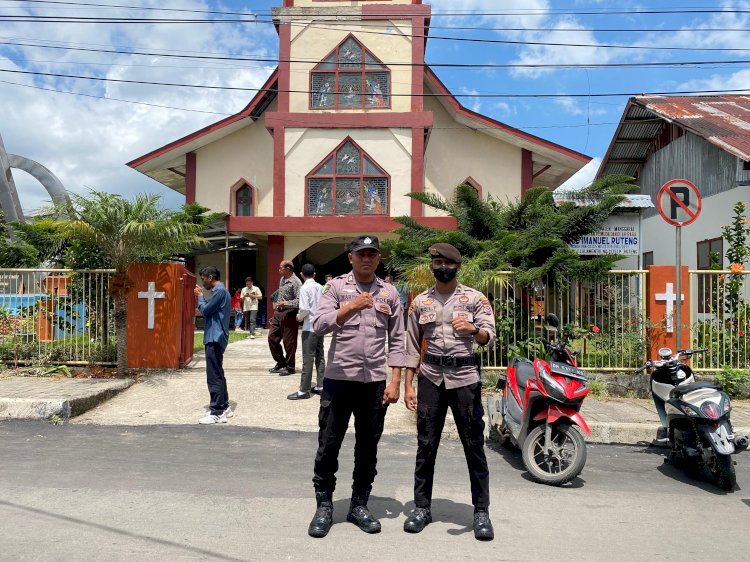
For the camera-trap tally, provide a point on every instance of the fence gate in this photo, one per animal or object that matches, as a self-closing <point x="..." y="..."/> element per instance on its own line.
<point x="188" y="318"/>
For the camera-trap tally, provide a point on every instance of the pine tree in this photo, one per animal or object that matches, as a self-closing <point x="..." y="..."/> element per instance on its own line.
<point x="529" y="237"/>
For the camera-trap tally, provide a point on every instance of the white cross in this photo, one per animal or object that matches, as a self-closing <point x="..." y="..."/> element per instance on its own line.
<point x="151" y="295"/>
<point x="670" y="297"/>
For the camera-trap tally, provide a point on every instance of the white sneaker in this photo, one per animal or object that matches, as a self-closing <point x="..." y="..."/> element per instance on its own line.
<point x="212" y="418"/>
<point x="238" y="329"/>
<point x="228" y="413"/>
<point x="252" y="336"/>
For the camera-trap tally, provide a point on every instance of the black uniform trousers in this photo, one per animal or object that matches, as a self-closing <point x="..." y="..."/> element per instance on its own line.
<point x="217" y="382"/>
<point x="466" y="405"/>
<point x="338" y="401"/>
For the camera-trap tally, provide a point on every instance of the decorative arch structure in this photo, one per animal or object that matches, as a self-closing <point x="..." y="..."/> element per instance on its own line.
<point x="9" y="200"/>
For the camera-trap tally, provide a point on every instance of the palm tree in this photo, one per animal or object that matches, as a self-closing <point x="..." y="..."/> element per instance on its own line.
<point x="126" y="232"/>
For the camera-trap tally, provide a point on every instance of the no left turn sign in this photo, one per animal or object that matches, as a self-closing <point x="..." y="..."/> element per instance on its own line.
<point x="679" y="202"/>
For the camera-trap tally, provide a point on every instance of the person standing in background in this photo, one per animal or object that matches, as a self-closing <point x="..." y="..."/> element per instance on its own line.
<point x="215" y="339"/>
<point x="237" y="308"/>
<point x="283" y="325"/>
<point x="250" y="297"/>
<point x="312" y="343"/>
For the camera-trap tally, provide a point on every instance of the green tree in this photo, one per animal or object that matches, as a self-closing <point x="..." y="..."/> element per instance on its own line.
<point x="736" y="235"/>
<point x="14" y="250"/>
<point x="127" y="232"/>
<point x="529" y="237"/>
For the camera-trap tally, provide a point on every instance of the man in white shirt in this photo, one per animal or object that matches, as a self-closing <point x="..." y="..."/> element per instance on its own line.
<point x="312" y="344"/>
<point x="250" y="298"/>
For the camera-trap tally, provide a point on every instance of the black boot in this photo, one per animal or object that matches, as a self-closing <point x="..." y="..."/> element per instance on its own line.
<point x="323" y="518"/>
<point x="483" y="530"/>
<point x="418" y="520"/>
<point x="360" y="515"/>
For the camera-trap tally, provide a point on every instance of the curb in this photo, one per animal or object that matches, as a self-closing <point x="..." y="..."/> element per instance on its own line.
<point x="65" y="408"/>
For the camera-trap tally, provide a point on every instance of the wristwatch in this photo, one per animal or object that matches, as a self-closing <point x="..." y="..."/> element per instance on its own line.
<point x="477" y="329"/>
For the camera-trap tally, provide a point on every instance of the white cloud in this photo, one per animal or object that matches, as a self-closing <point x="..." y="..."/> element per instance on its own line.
<point x="573" y="106"/>
<point x="86" y="142"/>
<point x="473" y="103"/>
<point x="735" y="81"/>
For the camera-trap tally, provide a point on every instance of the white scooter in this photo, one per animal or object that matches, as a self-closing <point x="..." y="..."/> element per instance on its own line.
<point x="695" y="416"/>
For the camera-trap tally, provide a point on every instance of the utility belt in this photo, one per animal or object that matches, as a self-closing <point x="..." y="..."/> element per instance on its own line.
<point x="450" y="360"/>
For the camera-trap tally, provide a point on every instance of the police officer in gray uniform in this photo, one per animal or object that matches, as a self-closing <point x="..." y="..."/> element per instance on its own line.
<point x="448" y="319"/>
<point x="361" y="311"/>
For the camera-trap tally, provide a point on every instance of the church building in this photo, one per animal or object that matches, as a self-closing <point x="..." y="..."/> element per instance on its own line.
<point x="351" y="121"/>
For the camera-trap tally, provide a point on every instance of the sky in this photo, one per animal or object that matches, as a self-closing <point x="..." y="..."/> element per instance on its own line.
<point x="86" y="130"/>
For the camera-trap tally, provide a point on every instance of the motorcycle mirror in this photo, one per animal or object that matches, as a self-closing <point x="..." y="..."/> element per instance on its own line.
<point x="665" y="352"/>
<point x="553" y="320"/>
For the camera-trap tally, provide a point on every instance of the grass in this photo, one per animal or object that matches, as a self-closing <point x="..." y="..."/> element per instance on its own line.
<point x="233" y="337"/>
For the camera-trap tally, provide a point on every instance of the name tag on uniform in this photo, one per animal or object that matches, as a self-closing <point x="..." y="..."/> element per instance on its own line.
<point x="382" y="307"/>
<point x="468" y="316"/>
<point x="427" y="317"/>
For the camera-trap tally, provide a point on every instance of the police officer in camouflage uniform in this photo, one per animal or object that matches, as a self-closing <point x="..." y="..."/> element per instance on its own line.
<point x="448" y="319"/>
<point x="361" y="311"/>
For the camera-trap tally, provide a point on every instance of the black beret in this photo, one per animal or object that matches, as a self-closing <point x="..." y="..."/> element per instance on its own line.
<point x="364" y="243"/>
<point x="445" y="251"/>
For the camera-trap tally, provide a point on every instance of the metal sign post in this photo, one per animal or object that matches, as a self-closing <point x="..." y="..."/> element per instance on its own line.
<point x="679" y="203"/>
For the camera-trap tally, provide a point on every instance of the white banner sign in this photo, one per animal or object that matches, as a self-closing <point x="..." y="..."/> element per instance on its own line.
<point x="618" y="235"/>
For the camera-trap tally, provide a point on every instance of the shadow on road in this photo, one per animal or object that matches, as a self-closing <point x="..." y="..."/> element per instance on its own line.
<point x="74" y="521"/>
<point x="512" y="455"/>
<point x="684" y="474"/>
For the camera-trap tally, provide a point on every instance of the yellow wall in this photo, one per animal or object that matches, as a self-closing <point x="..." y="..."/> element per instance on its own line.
<point x="455" y="152"/>
<point x="247" y="153"/>
<point x="389" y="148"/>
<point x="314" y="42"/>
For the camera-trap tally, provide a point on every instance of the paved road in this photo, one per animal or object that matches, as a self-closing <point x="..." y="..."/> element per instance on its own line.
<point x="86" y="492"/>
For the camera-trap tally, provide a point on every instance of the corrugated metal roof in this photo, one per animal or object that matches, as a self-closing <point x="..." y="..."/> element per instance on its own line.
<point x="631" y="201"/>
<point x="721" y="120"/>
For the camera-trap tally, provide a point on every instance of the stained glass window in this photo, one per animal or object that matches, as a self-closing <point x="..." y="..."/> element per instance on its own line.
<point x="351" y="77"/>
<point x="347" y="182"/>
<point x="244" y="201"/>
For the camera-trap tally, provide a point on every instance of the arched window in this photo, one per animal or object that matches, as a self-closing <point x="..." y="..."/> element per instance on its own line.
<point x="243" y="201"/>
<point x="347" y="182"/>
<point x="351" y="77"/>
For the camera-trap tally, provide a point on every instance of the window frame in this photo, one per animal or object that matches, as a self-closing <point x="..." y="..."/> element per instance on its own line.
<point x="361" y="177"/>
<point x="234" y="193"/>
<point x="647" y="256"/>
<point x="362" y="71"/>
<point x="707" y="283"/>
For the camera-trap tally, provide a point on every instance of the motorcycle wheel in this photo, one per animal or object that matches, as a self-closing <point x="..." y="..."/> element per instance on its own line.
<point x="721" y="470"/>
<point x="566" y="461"/>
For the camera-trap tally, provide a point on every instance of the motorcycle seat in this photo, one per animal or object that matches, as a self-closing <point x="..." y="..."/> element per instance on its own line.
<point x="683" y="389"/>
<point x="524" y="372"/>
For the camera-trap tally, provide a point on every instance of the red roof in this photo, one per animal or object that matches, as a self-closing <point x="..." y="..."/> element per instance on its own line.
<point x="721" y="120"/>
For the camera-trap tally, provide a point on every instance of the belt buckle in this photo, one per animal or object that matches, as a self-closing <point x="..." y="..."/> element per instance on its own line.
<point x="447" y="361"/>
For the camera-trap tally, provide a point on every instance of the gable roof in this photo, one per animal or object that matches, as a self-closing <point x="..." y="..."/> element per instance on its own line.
<point x="721" y="120"/>
<point x="167" y="164"/>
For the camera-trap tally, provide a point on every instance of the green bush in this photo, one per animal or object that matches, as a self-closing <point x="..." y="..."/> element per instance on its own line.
<point x="733" y="381"/>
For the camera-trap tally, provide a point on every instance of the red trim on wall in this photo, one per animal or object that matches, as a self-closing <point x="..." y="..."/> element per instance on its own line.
<point x="191" y="169"/>
<point x="275" y="119"/>
<point x="246" y="112"/>
<point x="348" y="224"/>
<point x="460" y="109"/>
<point x="417" y="170"/>
<point x="274" y="257"/>
<point x="285" y="55"/>
<point x="279" y="172"/>
<point x="417" y="59"/>
<point x="527" y="170"/>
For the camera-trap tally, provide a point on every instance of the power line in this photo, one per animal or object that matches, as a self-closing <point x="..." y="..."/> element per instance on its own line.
<point x="275" y="60"/>
<point x="426" y="95"/>
<point x="448" y="13"/>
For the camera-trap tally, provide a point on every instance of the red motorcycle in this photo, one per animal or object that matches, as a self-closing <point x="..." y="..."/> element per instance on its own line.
<point x="540" y="406"/>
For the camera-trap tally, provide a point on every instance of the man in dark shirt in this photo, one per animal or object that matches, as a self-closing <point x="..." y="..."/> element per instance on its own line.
<point x="283" y="326"/>
<point x="215" y="339"/>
